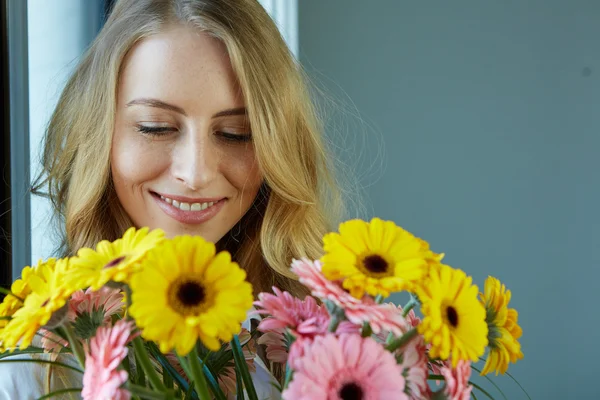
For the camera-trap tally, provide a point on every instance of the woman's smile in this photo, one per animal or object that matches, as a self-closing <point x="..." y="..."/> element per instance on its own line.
<point x="189" y="210"/>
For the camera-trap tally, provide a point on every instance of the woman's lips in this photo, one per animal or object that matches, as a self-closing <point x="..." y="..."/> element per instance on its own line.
<point x="192" y="211"/>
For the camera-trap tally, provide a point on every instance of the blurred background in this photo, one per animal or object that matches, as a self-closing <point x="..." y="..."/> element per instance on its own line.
<point x="473" y="124"/>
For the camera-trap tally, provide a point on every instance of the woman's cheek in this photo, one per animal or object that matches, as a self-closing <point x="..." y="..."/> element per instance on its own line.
<point x="242" y="171"/>
<point x="136" y="160"/>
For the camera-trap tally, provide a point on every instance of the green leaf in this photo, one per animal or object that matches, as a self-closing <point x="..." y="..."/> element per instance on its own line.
<point x="167" y="379"/>
<point x="490" y="381"/>
<point x="242" y="368"/>
<point x="489" y="396"/>
<point x="58" y="392"/>
<point x="149" y="394"/>
<point x="184" y="364"/>
<point x="145" y="363"/>
<point x="190" y="392"/>
<point x="181" y="382"/>
<point x="517" y="382"/>
<point x="213" y="384"/>
<point x="29" y="350"/>
<point x="513" y="379"/>
<point x="141" y="376"/>
<point x="198" y="374"/>
<point x="59" y="364"/>
<point x="239" y="386"/>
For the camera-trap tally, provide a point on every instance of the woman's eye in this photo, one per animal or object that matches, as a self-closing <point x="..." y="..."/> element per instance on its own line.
<point x="235" y="137"/>
<point x="155" y="130"/>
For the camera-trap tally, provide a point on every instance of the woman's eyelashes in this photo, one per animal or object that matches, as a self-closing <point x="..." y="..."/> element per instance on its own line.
<point x="161" y="130"/>
<point x="234" y="137"/>
<point x="155" y="130"/>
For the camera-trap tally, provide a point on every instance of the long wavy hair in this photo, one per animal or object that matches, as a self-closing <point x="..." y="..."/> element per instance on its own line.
<point x="299" y="200"/>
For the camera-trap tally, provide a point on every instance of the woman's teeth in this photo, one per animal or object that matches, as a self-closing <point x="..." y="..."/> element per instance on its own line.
<point x="187" y="206"/>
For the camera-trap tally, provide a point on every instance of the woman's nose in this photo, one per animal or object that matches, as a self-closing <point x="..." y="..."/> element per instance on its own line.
<point x="195" y="161"/>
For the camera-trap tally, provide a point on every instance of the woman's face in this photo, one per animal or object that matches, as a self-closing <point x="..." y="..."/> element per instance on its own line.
<point x="182" y="156"/>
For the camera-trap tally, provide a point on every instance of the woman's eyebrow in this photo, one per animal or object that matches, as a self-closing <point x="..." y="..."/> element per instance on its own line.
<point x="161" y="104"/>
<point x="230" y="112"/>
<point x="156" y="103"/>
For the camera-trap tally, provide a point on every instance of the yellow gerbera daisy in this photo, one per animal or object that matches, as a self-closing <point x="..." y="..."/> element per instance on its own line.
<point x="185" y="292"/>
<point x="503" y="327"/>
<point x="47" y="295"/>
<point x="454" y="319"/>
<point x="376" y="257"/>
<point x="113" y="261"/>
<point x="20" y="288"/>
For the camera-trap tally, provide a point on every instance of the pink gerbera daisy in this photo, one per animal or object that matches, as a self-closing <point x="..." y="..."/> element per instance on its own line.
<point x="304" y="318"/>
<point x="379" y="316"/>
<point x="413" y="321"/>
<point x="85" y="305"/>
<point x="457" y="380"/>
<point x="276" y="347"/>
<point x="412" y="360"/>
<point x="345" y="367"/>
<point x="110" y="301"/>
<point x="102" y="379"/>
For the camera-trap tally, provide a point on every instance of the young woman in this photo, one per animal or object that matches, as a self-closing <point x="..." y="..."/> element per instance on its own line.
<point x="193" y="117"/>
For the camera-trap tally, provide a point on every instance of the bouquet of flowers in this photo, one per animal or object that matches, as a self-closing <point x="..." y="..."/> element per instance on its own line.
<point x="154" y="318"/>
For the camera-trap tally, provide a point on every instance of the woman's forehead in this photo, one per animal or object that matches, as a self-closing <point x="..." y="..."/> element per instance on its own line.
<point x="183" y="66"/>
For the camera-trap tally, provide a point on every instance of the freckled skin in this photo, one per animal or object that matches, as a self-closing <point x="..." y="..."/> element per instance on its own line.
<point x="195" y="153"/>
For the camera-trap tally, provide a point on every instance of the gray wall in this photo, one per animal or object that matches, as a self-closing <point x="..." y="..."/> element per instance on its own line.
<point x="489" y="116"/>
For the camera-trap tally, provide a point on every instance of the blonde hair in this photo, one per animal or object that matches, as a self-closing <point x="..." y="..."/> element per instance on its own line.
<point x="299" y="200"/>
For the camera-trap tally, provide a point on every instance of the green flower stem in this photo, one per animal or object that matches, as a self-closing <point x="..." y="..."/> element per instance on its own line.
<point x="145" y="393"/>
<point x="146" y="364"/>
<point x="401" y="341"/>
<point x="198" y="375"/>
<point x="389" y="338"/>
<point x="9" y="293"/>
<point x="289" y="374"/>
<point x="412" y="303"/>
<point x="127" y="291"/>
<point x="337" y="315"/>
<point x="74" y="344"/>
<point x="379" y="299"/>
<point x="366" y="330"/>
<point x="334" y="323"/>
<point x="436" y="377"/>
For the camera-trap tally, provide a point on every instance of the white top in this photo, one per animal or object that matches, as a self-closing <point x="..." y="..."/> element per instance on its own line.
<point x="29" y="381"/>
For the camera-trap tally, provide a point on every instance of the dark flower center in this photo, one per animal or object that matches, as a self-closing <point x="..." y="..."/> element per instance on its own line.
<point x="190" y="294"/>
<point x="375" y="264"/>
<point x="351" y="391"/>
<point x="452" y="316"/>
<point x="114" y="262"/>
